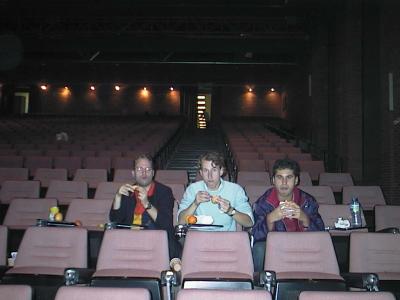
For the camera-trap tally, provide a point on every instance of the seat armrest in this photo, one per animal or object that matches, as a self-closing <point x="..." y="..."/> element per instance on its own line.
<point x="393" y="230"/>
<point x="368" y="281"/>
<point x="170" y="277"/>
<point x="3" y="270"/>
<point x="74" y="276"/>
<point x="266" y="279"/>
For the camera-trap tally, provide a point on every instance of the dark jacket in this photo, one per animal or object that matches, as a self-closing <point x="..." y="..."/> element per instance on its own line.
<point x="263" y="206"/>
<point x="163" y="201"/>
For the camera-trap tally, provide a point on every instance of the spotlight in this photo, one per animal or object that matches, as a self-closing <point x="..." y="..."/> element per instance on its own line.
<point x="117" y="87"/>
<point x="43" y="87"/>
<point x="250" y="90"/>
<point x="92" y="87"/>
<point x="272" y="89"/>
<point x="171" y="88"/>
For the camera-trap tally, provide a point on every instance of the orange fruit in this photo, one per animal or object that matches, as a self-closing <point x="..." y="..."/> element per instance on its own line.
<point x="58" y="217"/>
<point x="191" y="219"/>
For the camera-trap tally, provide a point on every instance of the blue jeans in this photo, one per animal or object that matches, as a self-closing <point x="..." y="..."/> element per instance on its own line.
<point x="258" y="256"/>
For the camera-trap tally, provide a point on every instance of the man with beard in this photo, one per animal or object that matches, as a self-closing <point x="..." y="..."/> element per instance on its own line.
<point x="283" y="208"/>
<point x="146" y="203"/>
<point x="224" y="201"/>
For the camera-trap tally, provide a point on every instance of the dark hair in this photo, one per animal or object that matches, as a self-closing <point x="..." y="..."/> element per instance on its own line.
<point x="215" y="157"/>
<point x="286" y="163"/>
<point x="144" y="156"/>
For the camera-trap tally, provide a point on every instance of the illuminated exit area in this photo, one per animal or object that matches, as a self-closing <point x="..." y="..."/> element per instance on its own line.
<point x="203" y="110"/>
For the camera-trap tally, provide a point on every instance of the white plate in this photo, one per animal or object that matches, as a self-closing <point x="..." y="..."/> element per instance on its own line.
<point x="206" y="220"/>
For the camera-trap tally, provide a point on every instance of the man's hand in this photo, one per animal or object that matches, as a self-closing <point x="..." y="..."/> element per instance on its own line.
<point x="125" y="189"/>
<point x="223" y="204"/>
<point x="141" y="195"/>
<point x="201" y="197"/>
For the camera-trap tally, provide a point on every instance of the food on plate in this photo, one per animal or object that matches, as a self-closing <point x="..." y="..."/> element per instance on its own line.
<point x="191" y="219"/>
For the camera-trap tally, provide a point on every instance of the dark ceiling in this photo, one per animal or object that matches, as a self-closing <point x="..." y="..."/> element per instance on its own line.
<point x="103" y="33"/>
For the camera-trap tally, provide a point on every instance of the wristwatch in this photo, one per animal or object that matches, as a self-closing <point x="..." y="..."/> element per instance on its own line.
<point x="232" y="213"/>
<point x="149" y="206"/>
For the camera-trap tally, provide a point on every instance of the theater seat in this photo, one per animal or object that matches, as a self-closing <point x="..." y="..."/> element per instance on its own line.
<point x="43" y="255"/>
<point x="336" y="180"/>
<point x="369" y="196"/>
<point x="377" y="253"/>
<point x="107" y="190"/>
<point x="23" y="212"/>
<point x="217" y="260"/>
<point x="387" y="216"/>
<point x="19" y="189"/>
<point x="323" y="194"/>
<point x="91" y="213"/>
<point x="302" y="261"/>
<point x="101" y="293"/>
<point x="15" y="292"/>
<point x="64" y="191"/>
<point x="206" y="294"/>
<point x="132" y="258"/>
<point x="321" y="295"/>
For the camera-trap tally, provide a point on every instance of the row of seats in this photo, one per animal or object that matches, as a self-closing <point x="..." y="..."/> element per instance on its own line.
<point x="334" y="180"/>
<point x="217" y="260"/>
<point x="104" y="293"/>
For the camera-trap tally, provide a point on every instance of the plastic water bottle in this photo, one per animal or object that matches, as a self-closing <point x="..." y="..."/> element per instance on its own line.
<point x="355" y="211"/>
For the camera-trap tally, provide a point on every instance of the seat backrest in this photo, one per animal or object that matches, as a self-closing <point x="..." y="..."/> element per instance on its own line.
<point x="15" y="291"/>
<point x="53" y="247"/>
<point x="254" y="192"/>
<point x="336" y="180"/>
<point x="172" y="176"/>
<point x="122" y="163"/>
<point x="64" y="191"/>
<point x="35" y="162"/>
<point x="107" y="190"/>
<point x="71" y="163"/>
<point x="178" y="190"/>
<point x="11" y="161"/>
<point x="251" y="165"/>
<point x="11" y="189"/>
<point x="13" y="174"/>
<point x="91" y="176"/>
<point x="374" y="252"/>
<point x="45" y="175"/>
<point x="217" y="251"/>
<point x="90" y="212"/>
<point x="323" y="194"/>
<point x="57" y="152"/>
<point x="3" y="245"/>
<point x="97" y="163"/>
<point x="23" y="212"/>
<point x="287" y="148"/>
<point x="190" y="294"/>
<point x="267" y="156"/>
<point x="331" y="212"/>
<point x="101" y="293"/>
<point x="305" y="179"/>
<point x="300" y="252"/>
<point x="247" y="155"/>
<point x="255" y="178"/>
<point x="313" y="167"/>
<point x="299" y="156"/>
<point x="387" y="216"/>
<point x="134" y="249"/>
<point x="333" y="295"/>
<point x="369" y="196"/>
<point x="123" y="176"/>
